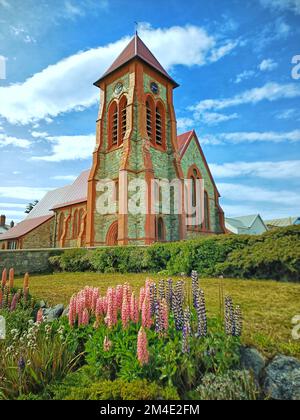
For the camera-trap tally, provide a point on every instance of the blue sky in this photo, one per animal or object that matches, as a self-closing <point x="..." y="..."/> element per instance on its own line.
<point x="232" y="59"/>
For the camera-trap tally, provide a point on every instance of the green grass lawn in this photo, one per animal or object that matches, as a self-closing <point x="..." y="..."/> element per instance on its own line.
<point x="268" y="307"/>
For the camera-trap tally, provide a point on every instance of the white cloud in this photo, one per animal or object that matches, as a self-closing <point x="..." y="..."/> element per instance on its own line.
<point x="64" y="177"/>
<point x="23" y="193"/>
<point x="252" y="137"/>
<point x="214" y="118"/>
<point x="268" y="65"/>
<point x="266" y="212"/>
<point x="4" y="3"/>
<point x="12" y="206"/>
<point x="269" y="92"/>
<point x="220" y="52"/>
<point x="267" y="170"/>
<point x="244" y="193"/>
<point x="69" y="148"/>
<point x="185" y="124"/>
<point x="13" y="141"/>
<point x="288" y="114"/>
<point x="38" y="134"/>
<point x="281" y="5"/>
<point x="245" y="75"/>
<point x="51" y="91"/>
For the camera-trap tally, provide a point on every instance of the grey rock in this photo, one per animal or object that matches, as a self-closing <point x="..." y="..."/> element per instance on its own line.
<point x="66" y="311"/>
<point x="53" y="313"/>
<point x="42" y="304"/>
<point x="253" y="361"/>
<point x="282" y="379"/>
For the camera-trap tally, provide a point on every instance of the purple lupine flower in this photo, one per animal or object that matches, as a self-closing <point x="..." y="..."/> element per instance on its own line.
<point x="178" y="301"/>
<point x="238" y="322"/>
<point x="201" y="314"/>
<point x="169" y="294"/>
<point x="195" y="286"/>
<point x="21" y="364"/>
<point x="162" y="289"/>
<point x="229" y="316"/>
<point x="153" y="298"/>
<point x="186" y="331"/>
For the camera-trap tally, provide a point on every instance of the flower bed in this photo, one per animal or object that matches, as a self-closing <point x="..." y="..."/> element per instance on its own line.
<point x="108" y="345"/>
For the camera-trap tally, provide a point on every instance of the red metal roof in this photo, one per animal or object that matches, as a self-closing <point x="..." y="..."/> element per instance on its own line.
<point x="24" y="227"/>
<point x="76" y="193"/>
<point x="183" y="139"/>
<point x="137" y="49"/>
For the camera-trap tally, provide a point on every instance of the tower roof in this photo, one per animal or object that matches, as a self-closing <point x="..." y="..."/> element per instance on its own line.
<point x="137" y="49"/>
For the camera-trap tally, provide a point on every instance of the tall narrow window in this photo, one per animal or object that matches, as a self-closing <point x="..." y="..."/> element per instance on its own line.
<point x="113" y="124"/>
<point x="80" y="218"/>
<point x="115" y="127"/>
<point x="149" y="119"/>
<point x="75" y="224"/>
<point x="158" y="131"/>
<point x="123" y="118"/>
<point x="206" y="211"/>
<point x="160" y="229"/>
<point x="61" y="225"/>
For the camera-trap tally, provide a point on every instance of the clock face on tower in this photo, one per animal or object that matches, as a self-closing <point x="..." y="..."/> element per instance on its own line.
<point x="154" y="88"/>
<point x="118" y="88"/>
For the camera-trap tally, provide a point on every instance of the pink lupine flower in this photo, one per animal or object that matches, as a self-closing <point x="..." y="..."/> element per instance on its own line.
<point x="39" y="316"/>
<point x="14" y="302"/>
<point x="95" y="298"/>
<point x="146" y="310"/>
<point x="111" y="318"/>
<point x="80" y="315"/>
<point x="142" y="347"/>
<point x="85" y="317"/>
<point x="125" y="312"/>
<point x="104" y="304"/>
<point x="107" y="344"/>
<point x="26" y="284"/>
<point x="134" y="309"/>
<point x="11" y="278"/>
<point x="4" y="278"/>
<point x="99" y="308"/>
<point x="119" y="296"/>
<point x="72" y="311"/>
<point x="142" y="297"/>
<point x="164" y="315"/>
<point x="1" y="298"/>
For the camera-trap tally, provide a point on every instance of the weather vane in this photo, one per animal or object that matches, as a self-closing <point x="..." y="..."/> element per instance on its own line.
<point x="136" y="24"/>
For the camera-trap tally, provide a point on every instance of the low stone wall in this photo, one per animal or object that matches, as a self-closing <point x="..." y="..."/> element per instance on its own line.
<point x="31" y="261"/>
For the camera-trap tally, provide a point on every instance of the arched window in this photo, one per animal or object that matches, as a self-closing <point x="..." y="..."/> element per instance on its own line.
<point x="194" y="191"/>
<point x="123" y="119"/>
<point x="113" y="124"/>
<point x="206" y="211"/>
<point x="149" y="119"/>
<point x="159" y="129"/>
<point x="75" y="224"/>
<point x="61" y="225"/>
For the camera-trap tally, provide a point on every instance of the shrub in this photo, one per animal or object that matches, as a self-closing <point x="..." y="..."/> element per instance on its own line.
<point x="72" y="260"/>
<point x="270" y="259"/>
<point x="273" y="255"/>
<point x="232" y="386"/>
<point x="121" y="390"/>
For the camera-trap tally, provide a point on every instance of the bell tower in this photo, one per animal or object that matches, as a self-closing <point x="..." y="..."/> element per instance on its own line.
<point x="136" y="140"/>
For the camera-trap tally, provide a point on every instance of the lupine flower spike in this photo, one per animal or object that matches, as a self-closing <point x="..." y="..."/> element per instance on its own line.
<point x="142" y="348"/>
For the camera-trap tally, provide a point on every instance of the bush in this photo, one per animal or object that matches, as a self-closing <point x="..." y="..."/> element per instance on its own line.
<point x="121" y="390"/>
<point x="232" y="386"/>
<point x="72" y="260"/>
<point x="271" y="259"/>
<point x="273" y="255"/>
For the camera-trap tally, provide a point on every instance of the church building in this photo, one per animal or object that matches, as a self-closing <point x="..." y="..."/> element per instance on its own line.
<point x="136" y="140"/>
